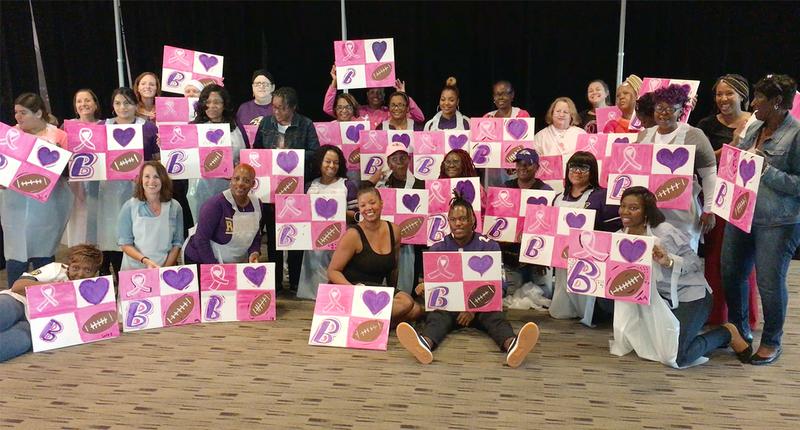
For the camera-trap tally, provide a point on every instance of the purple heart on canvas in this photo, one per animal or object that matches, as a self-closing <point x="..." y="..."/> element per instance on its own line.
<point x="215" y="135"/>
<point x="255" y="274"/>
<point x="287" y="161"/>
<point x="208" y="61"/>
<point x="480" y="264"/>
<point x="622" y="140"/>
<point x="375" y="301"/>
<point x="747" y="169"/>
<point x="467" y="190"/>
<point x="353" y="131"/>
<point x="481" y="155"/>
<point x="402" y="138"/>
<point x="537" y="201"/>
<point x="46" y="156"/>
<point x="457" y="141"/>
<point x="326" y="208"/>
<point x="411" y="201"/>
<point x="632" y="250"/>
<point x="673" y="159"/>
<point x="379" y="48"/>
<point x="93" y="291"/>
<point x="575" y="220"/>
<point x="178" y="279"/>
<point x="123" y="136"/>
<point x="517" y="128"/>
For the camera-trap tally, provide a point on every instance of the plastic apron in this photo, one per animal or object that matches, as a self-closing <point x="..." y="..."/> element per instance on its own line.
<point x="200" y="190"/>
<point x="683" y="220"/>
<point x="406" y="259"/>
<point x="152" y="236"/>
<point x="245" y="228"/>
<point x="112" y="194"/>
<point x="32" y="228"/>
<point x="566" y="305"/>
<point x="82" y="224"/>
<point x="651" y="330"/>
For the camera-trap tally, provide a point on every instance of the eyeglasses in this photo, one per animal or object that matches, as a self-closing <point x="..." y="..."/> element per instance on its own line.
<point x="452" y="163"/>
<point x="261" y="84"/>
<point x="502" y="93"/>
<point x="344" y="107"/>
<point x="669" y="110"/>
<point x="579" y="169"/>
<point x="397" y="106"/>
<point x="399" y="158"/>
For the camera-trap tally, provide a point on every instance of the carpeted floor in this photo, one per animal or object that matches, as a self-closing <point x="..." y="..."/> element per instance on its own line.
<point x="264" y="375"/>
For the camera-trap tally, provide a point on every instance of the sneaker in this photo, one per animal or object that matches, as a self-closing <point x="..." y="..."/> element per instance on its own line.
<point x="522" y="344"/>
<point x="414" y="343"/>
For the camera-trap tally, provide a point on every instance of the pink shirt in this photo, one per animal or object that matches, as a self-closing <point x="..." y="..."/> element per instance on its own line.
<point x="515" y="113"/>
<point x="374" y="116"/>
<point x="53" y="135"/>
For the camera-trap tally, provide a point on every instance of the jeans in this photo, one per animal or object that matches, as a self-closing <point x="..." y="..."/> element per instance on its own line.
<point x="770" y="249"/>
<point x="17" y="268"/>
<point x="15" y="331"/>
<point x="439" y="323"/>
<point x="693" y="316"/>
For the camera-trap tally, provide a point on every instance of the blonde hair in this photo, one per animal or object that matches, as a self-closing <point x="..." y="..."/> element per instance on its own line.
<point x="573" y="112"/>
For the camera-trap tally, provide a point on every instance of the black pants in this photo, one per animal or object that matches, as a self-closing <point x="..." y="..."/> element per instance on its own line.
<point x="111" y="260"/>
<point x="180" y="187"/>
<point x="439" y="323"/>
<point x="295" y="258"/>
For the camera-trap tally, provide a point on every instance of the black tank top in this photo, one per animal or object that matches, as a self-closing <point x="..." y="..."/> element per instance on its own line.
<point x="368" y="267"/>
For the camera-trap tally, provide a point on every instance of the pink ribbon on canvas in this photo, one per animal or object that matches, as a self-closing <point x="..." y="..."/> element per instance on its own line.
<point x="436" y="192"/>
<point x="138" y="281"/>
<point x="48" y="293"/>
<point x="177" y="136"/>
<point x="333" y="301"/>
<point x="179" y="56"/>
<point x="85" y="135"/>
<point x="628" y="155"/>
<point x="503" y="199"/>
<point x="586" y="240"/>
<point x="441" y="269"/>
<point x="217" y="277"/>
<point x="349" y="50"/>
<point x="12" y="135"/>
<point x="289" y="207"/>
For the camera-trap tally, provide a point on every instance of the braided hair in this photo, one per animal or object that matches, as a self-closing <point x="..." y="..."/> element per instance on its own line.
<point x="459" y="200"/>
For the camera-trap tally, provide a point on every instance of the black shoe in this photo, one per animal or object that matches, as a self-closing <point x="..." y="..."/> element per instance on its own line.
<point x="740" y="345"/>
<point x="757" y="360"/>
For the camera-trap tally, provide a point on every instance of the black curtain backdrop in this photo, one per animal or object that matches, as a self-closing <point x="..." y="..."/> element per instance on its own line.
<point x="546" y="49"/>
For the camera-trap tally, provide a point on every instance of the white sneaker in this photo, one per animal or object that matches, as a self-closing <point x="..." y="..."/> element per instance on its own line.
<point x="522" y="344"/>
<point x="414" y="343"/>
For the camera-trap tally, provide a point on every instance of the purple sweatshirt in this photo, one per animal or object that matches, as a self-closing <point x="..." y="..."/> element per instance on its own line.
<point x="214" y="215"/>
<point x="479" y="242"/>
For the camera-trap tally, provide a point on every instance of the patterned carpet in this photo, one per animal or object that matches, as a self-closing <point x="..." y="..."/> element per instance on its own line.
<point x="264" y="375"/>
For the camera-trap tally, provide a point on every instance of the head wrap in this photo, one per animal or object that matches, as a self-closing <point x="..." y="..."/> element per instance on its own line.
<point x="739" y="84"/>
<point x="634" y="82"/>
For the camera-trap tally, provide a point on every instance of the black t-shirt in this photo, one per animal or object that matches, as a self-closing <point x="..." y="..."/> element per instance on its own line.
<point x="588" y="121"/>
<point x="718" y="133"/>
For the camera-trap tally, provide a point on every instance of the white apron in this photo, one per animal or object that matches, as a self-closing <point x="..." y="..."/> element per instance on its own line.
<point x="245" y="228"/>
<point x="566" y="305"/>
<point x="685" y="221"/>
<point x="651" y="330"/>
<point x="152" y="237"/>
<point x="433" y="124"/>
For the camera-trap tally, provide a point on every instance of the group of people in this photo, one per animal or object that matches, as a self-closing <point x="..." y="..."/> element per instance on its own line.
<point x="155" y="221"/>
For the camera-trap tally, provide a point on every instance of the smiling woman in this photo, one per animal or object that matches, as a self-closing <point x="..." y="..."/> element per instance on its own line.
<point x="33" y="229"/>
<point x="150" y="225"/>
<point x="368" y="254"/>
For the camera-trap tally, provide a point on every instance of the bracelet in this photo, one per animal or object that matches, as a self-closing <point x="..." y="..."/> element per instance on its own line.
<point x="141" y="260"/>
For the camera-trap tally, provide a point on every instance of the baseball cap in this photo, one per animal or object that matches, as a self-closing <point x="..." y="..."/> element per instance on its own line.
<point x="527" y="155"/>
